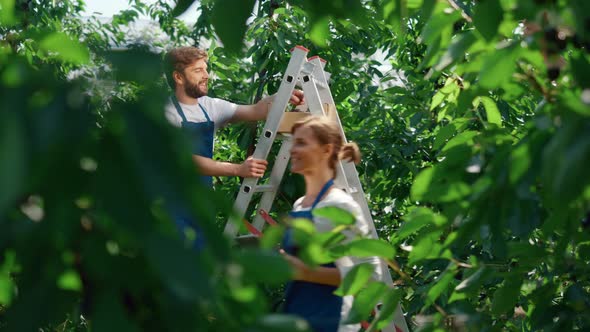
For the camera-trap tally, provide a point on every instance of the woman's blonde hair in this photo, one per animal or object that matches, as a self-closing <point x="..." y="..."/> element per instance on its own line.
<point x="326" y="131"/>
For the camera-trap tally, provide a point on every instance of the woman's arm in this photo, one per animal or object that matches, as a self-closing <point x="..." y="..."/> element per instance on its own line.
<point x="319" y="275"/>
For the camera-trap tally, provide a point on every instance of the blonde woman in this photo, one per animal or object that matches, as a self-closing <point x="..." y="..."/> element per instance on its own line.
<point x="317" y="148"/>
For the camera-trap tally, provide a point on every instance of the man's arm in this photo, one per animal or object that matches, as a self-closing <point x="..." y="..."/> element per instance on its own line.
<point x="258" y="111"/>
<point x="249" y="168"/>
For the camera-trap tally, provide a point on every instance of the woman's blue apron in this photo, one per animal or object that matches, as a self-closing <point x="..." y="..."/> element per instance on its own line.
<point x="314" y="302"/>
<point x="201" y="136"/>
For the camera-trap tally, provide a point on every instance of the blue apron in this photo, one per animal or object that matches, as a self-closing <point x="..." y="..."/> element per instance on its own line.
<point x="314" y="302"/>
<point x="201" y="136"/>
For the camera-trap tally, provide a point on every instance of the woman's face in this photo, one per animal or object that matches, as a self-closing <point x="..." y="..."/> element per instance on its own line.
<point x="307" y="154"/>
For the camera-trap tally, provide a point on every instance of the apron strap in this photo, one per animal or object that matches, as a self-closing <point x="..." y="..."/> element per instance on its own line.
<point x="181" y="113"/>
<point x="205" y="113"/>
<point x="322" y="192"/>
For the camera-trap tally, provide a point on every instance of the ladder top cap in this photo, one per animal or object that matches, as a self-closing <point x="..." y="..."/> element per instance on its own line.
<point x="317" y="57"/>
<point x="300" y="47"/>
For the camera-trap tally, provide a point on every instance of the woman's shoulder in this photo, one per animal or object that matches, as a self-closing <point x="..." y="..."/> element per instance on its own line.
<point x="297" y="203"/>
<point x="339" y="198"/>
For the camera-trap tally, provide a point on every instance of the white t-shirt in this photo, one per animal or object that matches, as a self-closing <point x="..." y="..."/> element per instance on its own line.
<point x="219" y="111"/>
<point x="340" y="199"/>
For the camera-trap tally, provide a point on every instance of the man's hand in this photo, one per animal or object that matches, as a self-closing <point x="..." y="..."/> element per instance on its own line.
<point x="252" y="168"/>
<point x="297" y="98"/>
<point x="260" y="110"/>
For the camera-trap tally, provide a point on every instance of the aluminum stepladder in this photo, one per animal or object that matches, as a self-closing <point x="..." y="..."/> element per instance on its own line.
<point x="310" y="74"/>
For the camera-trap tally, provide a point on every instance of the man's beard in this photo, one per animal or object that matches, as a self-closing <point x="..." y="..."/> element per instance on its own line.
<point x="194" y="91"/>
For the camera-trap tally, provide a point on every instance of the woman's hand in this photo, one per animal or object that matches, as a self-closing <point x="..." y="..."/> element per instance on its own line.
<point x="299" y="268"/>
<point x="321" y="275"/>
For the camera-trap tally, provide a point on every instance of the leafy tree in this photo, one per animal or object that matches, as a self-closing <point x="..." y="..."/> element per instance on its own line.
<point x="475" y="145"/>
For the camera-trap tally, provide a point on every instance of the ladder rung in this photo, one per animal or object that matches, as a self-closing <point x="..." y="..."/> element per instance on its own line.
<point x="264" y="188"/>
<point x="247" y="240"/>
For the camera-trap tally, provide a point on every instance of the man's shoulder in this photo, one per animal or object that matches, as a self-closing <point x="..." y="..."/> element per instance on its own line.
<point x="207" y="100"/>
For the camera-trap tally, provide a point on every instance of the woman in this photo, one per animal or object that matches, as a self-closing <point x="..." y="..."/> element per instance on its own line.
<point x="317" y="147"/>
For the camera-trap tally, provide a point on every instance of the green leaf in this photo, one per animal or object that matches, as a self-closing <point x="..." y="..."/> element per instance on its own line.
<point x="370" y="248"/>
<point x="520" y="162"/>
<point x="281" y="322"/>
<point x="110" y="315"/>
<point x="390" y="302"/>
<point x="465" y="137"/>
<point x="573" y="101"/>
<point x="581" y="69"/>
<point x="243" y="293"/>
<point x="320" y="32"/>
<point x="498" y="67"/>
<point x="169" y="259"/>
<point x="443" y="134"/>
<point x="426" y="247"/>
<point x="264" y="266"/>
<point x="422" y="183"/>
<point x="441" y="284"/>
<point x="181" y="7"/>
<point x="565" y="160"/>
<point x="66" y="48"/>
<point x="7" y="286"/>
<point x="355" y="279"/>
<point x="7" y="17"/>
<point x="7" y="290"/>
<point x="70" y="280"/>
<point x="272" y="237"/>
<point x="14" y="74"/>
<point x="506" y="296"/>
<point x="229" y="20"/>
<point x="391" y="13"/>
<point x="365" y="301"/>
<point x="438" y="23"/>
<point x="438" y="185"/>
<point x="437" y="99"/>
<point x="336" y="215"/>
<point x="303" y="225"/>
<point x="416" y="219"/>
<point x="313" y="253"/>
<point x="456" y="51"/>
<point x="13" y="151"/>
<point x="136" y="65"/>
<point x="473" y="282"/>
<point x="492" y="112"/>
<point x="576" y="297"/>
<point x="488" y="17"/>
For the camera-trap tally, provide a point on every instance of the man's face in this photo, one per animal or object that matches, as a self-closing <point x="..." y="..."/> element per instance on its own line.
<point x="195" y="79"/>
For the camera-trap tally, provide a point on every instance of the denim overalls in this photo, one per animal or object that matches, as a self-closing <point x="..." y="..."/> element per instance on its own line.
<point x="314" y="302"/>
<point x="201" y="136"/>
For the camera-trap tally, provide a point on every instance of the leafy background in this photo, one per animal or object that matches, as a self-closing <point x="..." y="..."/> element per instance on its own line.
<point x="476" y="141"/>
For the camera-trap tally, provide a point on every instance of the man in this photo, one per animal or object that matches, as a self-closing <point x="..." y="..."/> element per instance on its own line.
<point x="200" y="116"/>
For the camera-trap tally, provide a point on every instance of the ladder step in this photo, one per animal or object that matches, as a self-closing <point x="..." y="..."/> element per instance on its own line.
<point x="265" y="188"/>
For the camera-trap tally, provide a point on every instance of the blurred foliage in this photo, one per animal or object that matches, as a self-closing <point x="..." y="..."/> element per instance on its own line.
<point x="474" y="120"/>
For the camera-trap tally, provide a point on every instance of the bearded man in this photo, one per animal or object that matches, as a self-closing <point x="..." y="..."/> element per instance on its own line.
<point x="200" y="116"/>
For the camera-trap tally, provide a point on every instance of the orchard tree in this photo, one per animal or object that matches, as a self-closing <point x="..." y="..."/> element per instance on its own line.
<point x="473" y="117"/>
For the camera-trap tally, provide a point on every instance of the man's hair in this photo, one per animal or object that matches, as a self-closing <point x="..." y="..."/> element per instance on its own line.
<point x="178" y="59"/>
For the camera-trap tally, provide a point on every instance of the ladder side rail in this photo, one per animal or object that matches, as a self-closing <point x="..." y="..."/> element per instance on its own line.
<point x="357" y="193"/>
<point x="316" y="107"/>
<point x="276" y="175"/>
<point x="264" y="144"/>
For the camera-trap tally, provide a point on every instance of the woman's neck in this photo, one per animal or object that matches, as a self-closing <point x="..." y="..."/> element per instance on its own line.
<point x="314" y="183"/>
